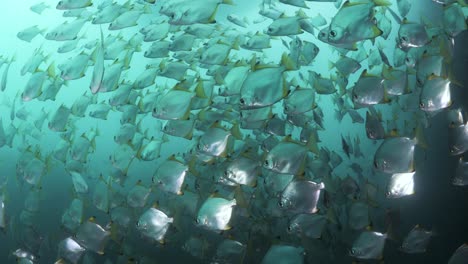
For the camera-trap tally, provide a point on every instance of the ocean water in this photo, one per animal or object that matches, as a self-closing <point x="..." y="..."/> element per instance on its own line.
<point x="436" y="204"/>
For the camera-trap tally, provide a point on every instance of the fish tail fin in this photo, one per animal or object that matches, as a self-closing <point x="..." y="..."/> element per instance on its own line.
<point x="51" y="70"/>
<point x="312" y="144"/>
<point x="235" y="131"/>
<point x="331" y="65"/>
<point x="462" y="3"/>
<point x="419" y="136"/>
<point x="228" y="2"/>
<point x="287" y="62"/>
<point x="377" y="31"/>
<point x="300" y="13"/>
<point x="382" y="3"/>
<point x="392" y="218"/>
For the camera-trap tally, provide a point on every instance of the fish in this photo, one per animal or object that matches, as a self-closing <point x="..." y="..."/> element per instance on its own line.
<point x="215" y="213"/>
<point x="351" y="24"/>
<point x="345" y="65"/>
<point x="404" y="6"/>
<point x="98" y="69"/>
<point x="454" y="19"/>
<point x="75" y="68"/>
<point x="461" y="173"/>
<point x="301" y="197"/>
<point x="321" y="84"/>
<point x="458" y="140"/>
<point x="287" y="26"/>
<point x="289" y="156"/>
<point x="92" y="236"/>
<point x="3" y="83"/>
<point x="265" y="85"/>
<point x="243" y="171"/>
<point x="66" y="31"/>
<point x="107" y="14"/>
<point x="79" y="183"/>
<point x="3" y="222"/>
<point x="39" y="7"/>
<point x="435" y="95"/>
<point x="28" y="34"/>
<point x="241" y="22"/>
<point x="369" y="245"/>
<point x="412" y="35"/>
<point x="400" y="185"/>
<point x="138" y="195"/>
<point x="308" y="225"/>
<point x="374" y="127"/>
<point x="368" y="90"/>
<point x="346" y="147"/>
<point x="230" y="251"/>
<point x="299" y="101"/>
<point x="459" y="256"/>
<point x="70" y="250"/>
<point x="72" y="218"/>
<point x="188" y="14"/>
<point x="170" y="175"/>
<point x="69" y="4"/>
<point x="358" y="216"/>
<point x="218" y="141"/>
<point x="128" y="18"/>
<point x="283" y="254"/>
<point x="395" y="155"/>
<point x="184" y="42"/>
<point x="395" y="81"/>
<point x="455" y="117"/>
<point x="180" y="128"/>
<point x="416" y="241"/>
<point x="59" y="120"/>
<point x="101" y="196"/>
<point x="153" y="223"/>
<point x="217" y="54"/>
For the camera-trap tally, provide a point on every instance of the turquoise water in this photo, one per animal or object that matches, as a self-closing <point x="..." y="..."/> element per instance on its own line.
<point x="436" y="205"/>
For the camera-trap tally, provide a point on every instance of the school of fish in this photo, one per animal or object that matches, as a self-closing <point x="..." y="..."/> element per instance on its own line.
<point x="250" y="175"/>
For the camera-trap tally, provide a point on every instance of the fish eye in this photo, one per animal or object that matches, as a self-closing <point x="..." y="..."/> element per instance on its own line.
<point x="322" y="34"/>
<point x="289" y="228"/>
<point x="280" y="203"/>
<point x="266" y="162"/>
<point x="404" y="39"/>
<point x="242" y="101"/>
<point x="333" y="33"/>
<point x="421" y="105"/>
<point x="198" y="221"/>
<point x="376" y="165"/>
